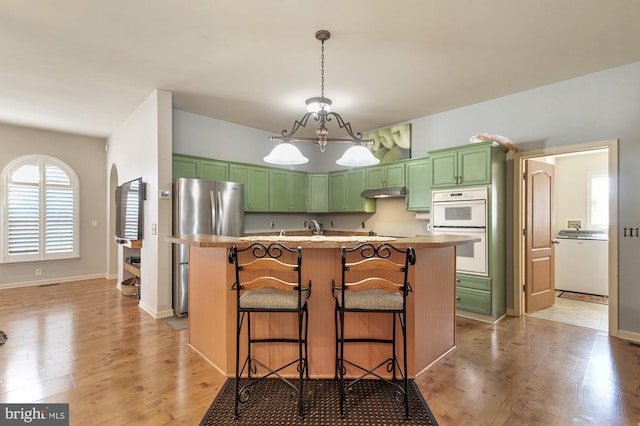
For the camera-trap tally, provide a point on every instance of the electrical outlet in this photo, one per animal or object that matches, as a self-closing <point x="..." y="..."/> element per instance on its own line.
<point x="273" y="225"/>
<point x="38" y="271"/>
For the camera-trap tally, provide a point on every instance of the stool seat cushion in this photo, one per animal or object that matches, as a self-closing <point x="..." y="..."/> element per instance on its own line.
<point x="271" y="298"/>
<point x="374" y="299"/>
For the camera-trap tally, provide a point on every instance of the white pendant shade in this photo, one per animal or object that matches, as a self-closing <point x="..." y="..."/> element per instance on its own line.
<point x="286" y="154"/>
<point x="357" y="156"/>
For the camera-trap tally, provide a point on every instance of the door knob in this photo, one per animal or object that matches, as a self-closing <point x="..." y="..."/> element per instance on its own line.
<point x="555" y="241"/>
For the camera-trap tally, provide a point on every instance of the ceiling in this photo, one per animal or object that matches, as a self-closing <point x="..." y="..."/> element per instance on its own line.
<point x="84" y="66"/>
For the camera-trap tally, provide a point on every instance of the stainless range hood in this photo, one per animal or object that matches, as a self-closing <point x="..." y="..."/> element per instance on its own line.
<point x="395" y="192"/>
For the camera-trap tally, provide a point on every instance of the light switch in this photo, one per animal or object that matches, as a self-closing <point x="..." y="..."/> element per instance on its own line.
<point x="154" y="230"/>
<point x="94" y="223"/>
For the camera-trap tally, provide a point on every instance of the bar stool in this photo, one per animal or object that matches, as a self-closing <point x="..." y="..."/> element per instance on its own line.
<point x="266" y="283"/>
<point x="374" y="279"/>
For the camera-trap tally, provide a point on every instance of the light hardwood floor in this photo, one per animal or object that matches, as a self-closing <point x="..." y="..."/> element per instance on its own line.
<point x="86" y="344"/>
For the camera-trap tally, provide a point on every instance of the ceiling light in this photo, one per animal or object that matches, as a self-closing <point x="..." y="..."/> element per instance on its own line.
<point x="319" y="108"/>
<point x="357" y="156"/>
<point x="286" y="154"/>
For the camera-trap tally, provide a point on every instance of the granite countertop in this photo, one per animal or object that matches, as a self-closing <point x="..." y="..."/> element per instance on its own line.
<point x="321" y="241"/>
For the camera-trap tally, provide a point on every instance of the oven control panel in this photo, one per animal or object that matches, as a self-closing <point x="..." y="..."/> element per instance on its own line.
<point x="460" y="194"/>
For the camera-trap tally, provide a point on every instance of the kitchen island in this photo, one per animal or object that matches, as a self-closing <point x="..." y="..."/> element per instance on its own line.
<point x="430" y="308"/>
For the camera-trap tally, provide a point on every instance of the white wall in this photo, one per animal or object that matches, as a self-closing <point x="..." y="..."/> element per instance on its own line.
<point x="600" y="106"/>
<point x="141" y="147"/>
<point x="85" y="155"/>
<point x="572" y="186"/>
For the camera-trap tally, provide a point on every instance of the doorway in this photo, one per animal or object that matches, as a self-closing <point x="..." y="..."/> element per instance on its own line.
<point x="610" y="146"/>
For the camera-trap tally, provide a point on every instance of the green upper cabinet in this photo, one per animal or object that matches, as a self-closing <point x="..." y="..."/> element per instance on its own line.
<point x="185" y="167"/>
<point x="256" y="186"/>
<point x="418" y="186"/>
<point x="469" y="165"/>
<point x="337" y="191"/>
<point x="318" y="193"/>
<point x="287" y="191"/>
<point x="214" y="170"/>
<point x="344" y="192"/>
<point x="387" y="176"/>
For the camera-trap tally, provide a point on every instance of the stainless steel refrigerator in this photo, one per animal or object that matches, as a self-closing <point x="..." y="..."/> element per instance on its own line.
<point x="202" y="207"/>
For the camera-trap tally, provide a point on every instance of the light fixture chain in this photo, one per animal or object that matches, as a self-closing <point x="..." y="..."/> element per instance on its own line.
<point x="322" y="71"/>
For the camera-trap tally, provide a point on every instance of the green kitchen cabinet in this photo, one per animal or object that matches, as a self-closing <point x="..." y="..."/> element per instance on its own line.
<point x="188" y="166"/>
<point x="287" y="191"/>
<point x="318" y="193"/>
<point x="214" y="170"/>
<point x="479" y="165"/>
<point x="387" y="176"/>
<point x="256" y="185"/>
<point x="469" y="165"/>
<point x="337" y="191"/>
<point x="418" y="185"/>
<point x="183" y="166"/>
<point x="344" y="192"/>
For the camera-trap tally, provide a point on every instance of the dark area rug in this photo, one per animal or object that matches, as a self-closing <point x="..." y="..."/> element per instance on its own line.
<point x="3" y="337"/>
<point x="603" y="300"/>
<point x="270" y="403"/>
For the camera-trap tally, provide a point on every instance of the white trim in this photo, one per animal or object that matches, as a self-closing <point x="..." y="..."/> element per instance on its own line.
<point x="629" y="335"/>
<point x="51" y="281"/>
<point x="518" y="244"/>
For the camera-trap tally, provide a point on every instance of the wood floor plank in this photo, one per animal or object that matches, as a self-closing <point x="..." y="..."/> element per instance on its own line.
<point x="86" y="344"/>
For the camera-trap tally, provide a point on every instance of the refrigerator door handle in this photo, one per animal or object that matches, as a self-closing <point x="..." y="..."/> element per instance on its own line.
<point x="219" y="212"/>
<point x="214" y="212"/>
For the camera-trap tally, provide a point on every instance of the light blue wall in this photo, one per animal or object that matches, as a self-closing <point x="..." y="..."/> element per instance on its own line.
<point x="600" y="106"/>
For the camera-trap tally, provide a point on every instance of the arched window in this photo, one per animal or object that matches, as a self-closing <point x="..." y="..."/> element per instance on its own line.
<point x="39" y="210"/>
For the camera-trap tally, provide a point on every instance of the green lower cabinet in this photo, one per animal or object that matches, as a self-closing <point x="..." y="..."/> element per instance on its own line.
<point x="473" y="294"/>
<point x="472" y="300"/>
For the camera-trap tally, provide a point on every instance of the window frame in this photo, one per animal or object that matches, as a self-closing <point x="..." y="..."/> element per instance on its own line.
<point x="591" y="176"/>
<point x="42" y="161"/>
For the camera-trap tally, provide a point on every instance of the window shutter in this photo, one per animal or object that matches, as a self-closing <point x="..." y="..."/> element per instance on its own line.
<point x="23" y="219"/>
<point x="40" y="214"/>
<point x="58" y="211"/>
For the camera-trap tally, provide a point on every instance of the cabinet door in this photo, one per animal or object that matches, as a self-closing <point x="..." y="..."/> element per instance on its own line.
<point x="240" y="173"/>
<point x="444" y="169"/>
<point x="259" y="189"/>
<point x="474" y="166"/>
<point x="418" y="185"/>
<point x="185" y="167"/>
<point x="375" y="177"/>
<point x="354" y="186"/>
<point x="256" y="186"/>
<point x="298" y="192"/>
<point x="318" y="193"/>
<point x="337" y="191"/>
<point x="472" y="300"/>
<point x="278" y="191"/>
<point x="394" y="175"/>
<point x="214" y="170"/>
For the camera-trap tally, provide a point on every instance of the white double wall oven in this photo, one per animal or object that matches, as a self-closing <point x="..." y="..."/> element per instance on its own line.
<point x="464" y="212"/>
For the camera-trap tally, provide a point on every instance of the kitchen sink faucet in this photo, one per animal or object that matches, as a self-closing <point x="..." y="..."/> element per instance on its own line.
<point x="317" y="228"/>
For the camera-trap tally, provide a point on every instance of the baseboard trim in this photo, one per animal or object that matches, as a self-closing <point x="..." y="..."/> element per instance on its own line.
<point x="51" y="281"/>
<point x="629" y="335"/>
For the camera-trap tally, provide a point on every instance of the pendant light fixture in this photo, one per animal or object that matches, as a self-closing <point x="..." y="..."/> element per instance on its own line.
<point x="319" y="108"/>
